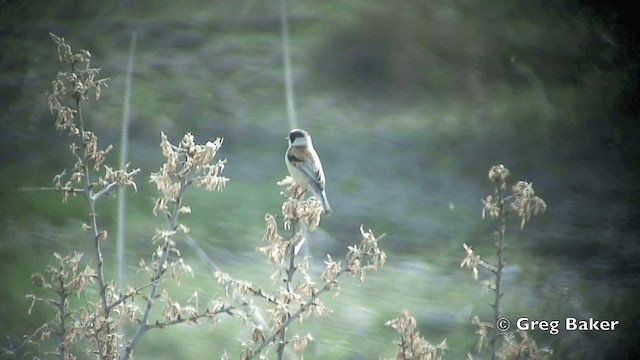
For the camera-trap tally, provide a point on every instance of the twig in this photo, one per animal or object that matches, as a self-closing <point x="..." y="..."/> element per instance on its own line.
<point x="122" y="298"/>
<point x="110" y="186"/>
<point x="498" y="174"/>
<point x="290" y="272"/>
<point x="294" y="316"/>
<point x="159" y="271"/>
<point x="207" y="314"/>
<point x="45" y="188"/>
<point x="500" y="266"/>
<point x="97" y="238"/>
<point x="62" y="312"/>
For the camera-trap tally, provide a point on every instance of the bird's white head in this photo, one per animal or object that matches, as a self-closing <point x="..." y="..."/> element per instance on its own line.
<point x="299" y="137"/>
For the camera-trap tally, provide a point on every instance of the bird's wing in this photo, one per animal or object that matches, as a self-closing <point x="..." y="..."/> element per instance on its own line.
<point x="297" y="155"/>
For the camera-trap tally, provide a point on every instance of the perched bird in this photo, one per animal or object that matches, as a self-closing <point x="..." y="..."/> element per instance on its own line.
<point x="305" y="167"/>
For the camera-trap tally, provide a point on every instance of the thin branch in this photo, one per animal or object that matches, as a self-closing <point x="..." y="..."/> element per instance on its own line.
<point x="160" y="268"/>
<point x="97" y="238"/>
<point x="290" y="272"/>
<point x="42" y="188"/>
<point x="207" y="314"/>
<point x="498" y="269"/>
<point x="75" y="191"/>
<point x="91" y="202"/>
<point x="110" y="186"/>
<point x="62" y="312"/>
<point x="263" y="295"/>
<point x="488" y="266"/>
<point x="296" y="315"/>
<point x="122" y="298"/>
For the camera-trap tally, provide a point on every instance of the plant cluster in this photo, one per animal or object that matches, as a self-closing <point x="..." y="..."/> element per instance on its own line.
<point x="411" y="345"/>
<point x="523" y="203"/>
<point x="110" y="322"/>
<point x="298" y="298"/>
<point x="94" y="315"/>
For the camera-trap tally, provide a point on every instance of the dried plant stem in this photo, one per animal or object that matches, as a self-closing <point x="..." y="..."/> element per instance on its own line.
<point x="50" y="189"/>
<point x="361" y="258"/>
<point x="412" y="345"/>
<point x="98" y="236"/>
<point x="292" y="256"/>
<point x="93" y="219"/>
<point x="295" y="316"/>
<point x="158" y="273"/>
<point x="524" y="204"/>
<point x="500" y="266"/>
<point x="91" y="203"/>
<point x="62" y="312"/>
<point x="290" y="271"/>
<point x="406" y="345"/>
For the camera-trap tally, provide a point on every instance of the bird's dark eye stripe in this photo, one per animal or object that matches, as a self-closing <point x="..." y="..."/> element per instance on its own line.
<point x="293" y="158"/>
<point x="295" y="134"/>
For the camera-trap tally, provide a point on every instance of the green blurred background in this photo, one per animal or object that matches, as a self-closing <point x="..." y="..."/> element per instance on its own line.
<point x="409" y="104"/>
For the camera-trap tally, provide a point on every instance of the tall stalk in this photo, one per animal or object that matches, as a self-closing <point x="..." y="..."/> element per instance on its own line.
<point x="497" y="313"/>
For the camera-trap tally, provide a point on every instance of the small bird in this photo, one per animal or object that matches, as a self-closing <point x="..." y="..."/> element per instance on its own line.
<point x="305" y="167"/>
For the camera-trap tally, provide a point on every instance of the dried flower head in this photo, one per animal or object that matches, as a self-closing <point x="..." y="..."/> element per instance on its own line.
<point x="258" y="335"/>
<point x="498" y="174"/>
<point x="74" y="85"/>
<point x="471" y="261"/>
<point x="119" y="177"/>
<point x="523" y="201"/>
<point x="297" y="209"/>
<point x="331" y="272"/>
<point x="366" y="256"/>
<point x="483" y="330"/>
<point x="186" y="164"/>
<point x="518" y="345"/>
<point x="490" y="206"/>
<point x="412" y="345"/>
<point x="300" y="343"/>
<point x="38" y="280"/>
<point x="277" y="247"/>
<point x="526" y="203"/>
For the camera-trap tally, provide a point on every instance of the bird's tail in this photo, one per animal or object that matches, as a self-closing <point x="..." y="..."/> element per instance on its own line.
<point x="325" y="204"/>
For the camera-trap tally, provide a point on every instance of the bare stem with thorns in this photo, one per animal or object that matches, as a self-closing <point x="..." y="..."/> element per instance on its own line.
<point x="524" y="204"/>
